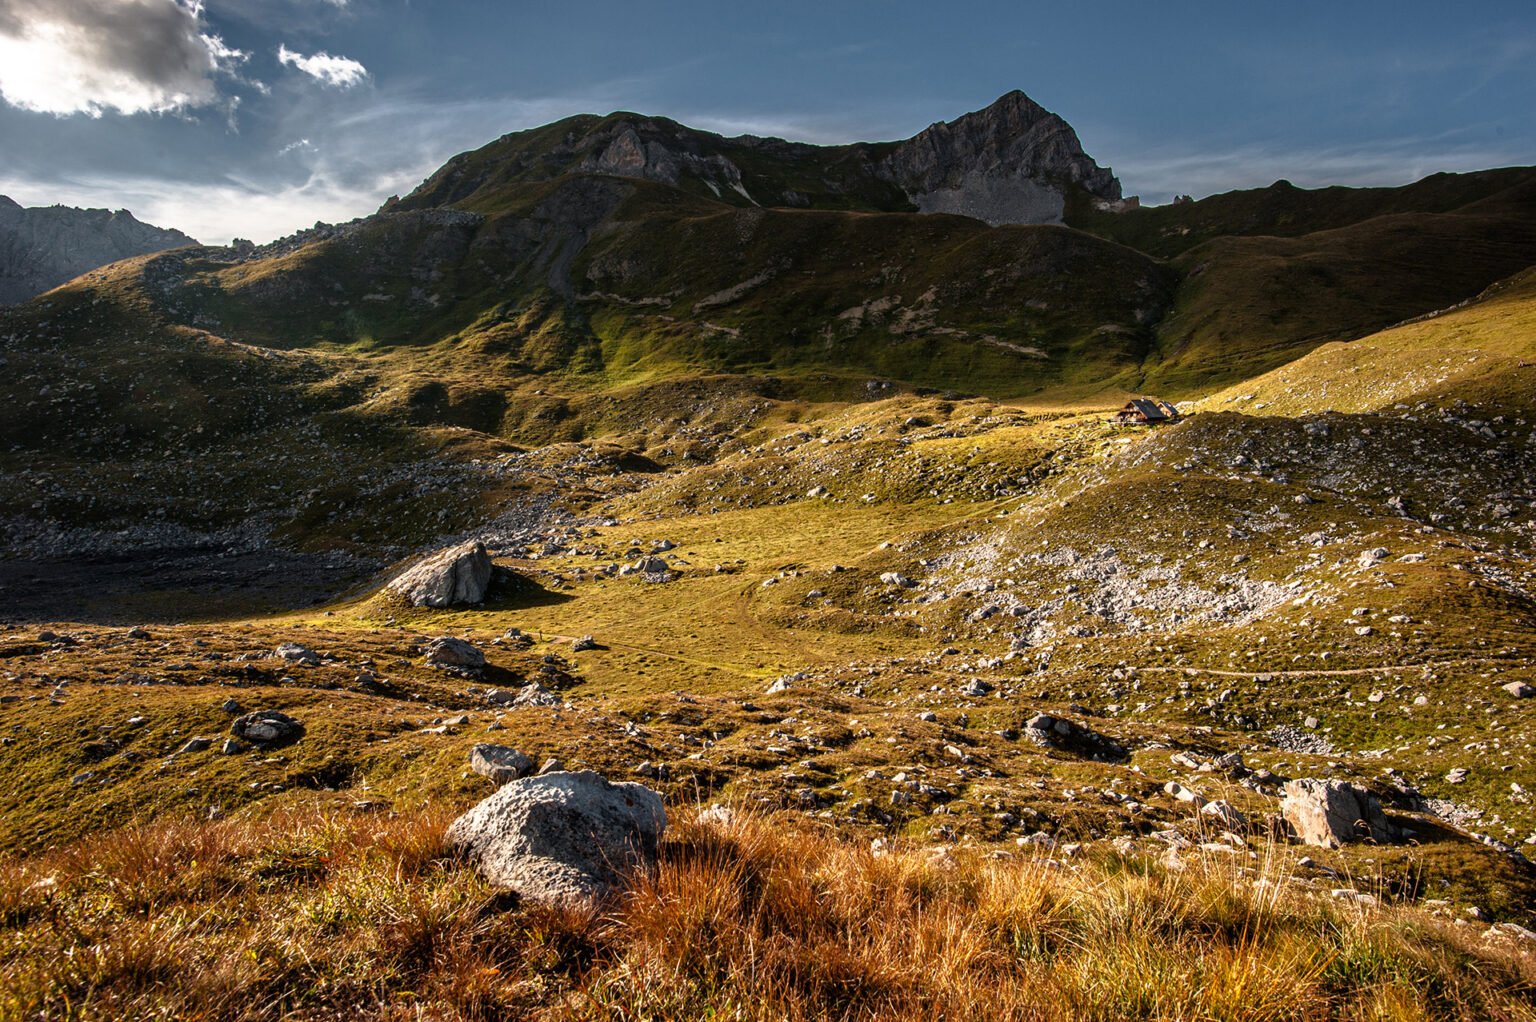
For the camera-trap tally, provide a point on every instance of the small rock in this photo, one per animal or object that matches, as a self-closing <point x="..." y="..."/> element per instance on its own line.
<point x="534" y="694"/>
<point x="265" y="727"/>
<point x="454" y="654"/>
<point x="1226" y="814"/>
<point x="1184" y="794"/>
<point x="501" y="763"/>
<point x="297" y="654"/>
<point x="1373" y="557"/>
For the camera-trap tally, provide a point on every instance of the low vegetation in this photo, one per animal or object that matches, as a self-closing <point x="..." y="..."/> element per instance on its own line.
<point x="316" y="916"/>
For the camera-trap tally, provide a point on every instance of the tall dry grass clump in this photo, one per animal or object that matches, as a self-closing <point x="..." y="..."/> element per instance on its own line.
<point x="319" y="917"/>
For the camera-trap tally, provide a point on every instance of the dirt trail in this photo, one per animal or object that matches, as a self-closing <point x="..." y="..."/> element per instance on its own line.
<point x="1342" y="672"/>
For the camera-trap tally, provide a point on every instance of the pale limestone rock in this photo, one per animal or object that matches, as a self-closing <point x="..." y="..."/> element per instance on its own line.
<point x="457" y="575"/>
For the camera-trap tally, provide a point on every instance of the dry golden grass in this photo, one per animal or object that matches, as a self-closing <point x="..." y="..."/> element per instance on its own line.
<point x="320" y="917"/>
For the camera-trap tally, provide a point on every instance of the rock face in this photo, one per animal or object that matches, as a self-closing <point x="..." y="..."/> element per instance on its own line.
<point x="43" y="247"/>
<point x="457" y="575"/>
<point x="501" y="763"/>
<point x="1331" y="813"/>
<point x="1007" y="164"/>
<point x="561" y="838"/>
<point x="266" y="727"/>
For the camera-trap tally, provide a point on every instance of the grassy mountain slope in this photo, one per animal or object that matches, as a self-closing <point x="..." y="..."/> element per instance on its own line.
<point x="1480" y="352"/>
<point x="600" y="282"/>
<point x="1248" y="304"/>
<point x="1284" y="211"/>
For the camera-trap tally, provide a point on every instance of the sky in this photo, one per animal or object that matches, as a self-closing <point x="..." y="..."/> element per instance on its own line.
<point x="254" y="118"/>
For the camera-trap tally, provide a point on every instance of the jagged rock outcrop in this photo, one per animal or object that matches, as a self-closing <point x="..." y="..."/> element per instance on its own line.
<point x="455" y="575"/>
<point x="42" y="247"/>
<point x="1331" y="813"/>
<point x="561" y="838"/>
<point x="1007" y="164"/>
<point x="631" y="155"/>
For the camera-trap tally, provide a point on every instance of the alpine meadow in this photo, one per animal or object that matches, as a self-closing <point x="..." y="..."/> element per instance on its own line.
<point x="652" y="573"/>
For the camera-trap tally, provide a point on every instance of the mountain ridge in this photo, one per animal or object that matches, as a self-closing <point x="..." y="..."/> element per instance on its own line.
<point x="1010" y="162"/>
<point x="44" y="246"/>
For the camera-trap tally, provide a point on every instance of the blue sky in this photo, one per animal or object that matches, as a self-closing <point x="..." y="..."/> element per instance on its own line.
<point x="257" y="117"/>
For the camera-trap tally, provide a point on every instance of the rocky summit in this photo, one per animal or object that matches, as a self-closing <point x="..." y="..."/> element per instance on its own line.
<point x="925" y="576"/>
<point x="43" y="247"/>
<point x="1012" y="163"/>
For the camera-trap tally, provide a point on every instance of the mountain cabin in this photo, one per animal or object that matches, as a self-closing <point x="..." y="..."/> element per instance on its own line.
<point x="1145" y="411"/>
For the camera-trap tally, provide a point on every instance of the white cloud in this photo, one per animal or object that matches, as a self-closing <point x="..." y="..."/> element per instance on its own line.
<point x="216" y="212"/>
<point x="67" y="57"/>
<point x="342" y="72"/>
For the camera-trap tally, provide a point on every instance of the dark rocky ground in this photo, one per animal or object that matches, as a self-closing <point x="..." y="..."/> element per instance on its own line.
<point x="186" y="584"/>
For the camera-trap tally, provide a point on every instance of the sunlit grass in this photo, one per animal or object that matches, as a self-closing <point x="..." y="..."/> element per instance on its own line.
<point x="743" y="919"/>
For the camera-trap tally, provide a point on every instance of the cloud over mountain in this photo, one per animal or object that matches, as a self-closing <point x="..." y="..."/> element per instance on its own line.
<point x="88" y="57"/>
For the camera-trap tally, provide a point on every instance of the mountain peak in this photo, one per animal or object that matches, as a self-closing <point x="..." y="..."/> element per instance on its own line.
<point x="1008" y="163"/>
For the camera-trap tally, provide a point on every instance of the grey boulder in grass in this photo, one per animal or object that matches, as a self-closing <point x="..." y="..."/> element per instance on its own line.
<point x="266" y="727"/>
<point x="561" y="838"/>
<point x="501" y="763"/>
<point x="456" y="575"/>
<point x="1333" y="813"/>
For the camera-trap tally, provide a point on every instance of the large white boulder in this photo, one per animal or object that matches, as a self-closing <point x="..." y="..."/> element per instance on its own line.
<point x="456" y="575"/>
<point x="561" y="838"/>
<point x="1332" y="813"/>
